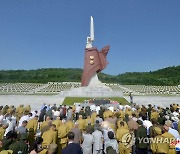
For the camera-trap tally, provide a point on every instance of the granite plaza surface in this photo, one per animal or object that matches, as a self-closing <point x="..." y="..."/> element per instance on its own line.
<point x="37" y="100"/>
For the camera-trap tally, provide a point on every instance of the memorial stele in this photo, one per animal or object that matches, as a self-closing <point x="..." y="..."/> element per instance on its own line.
<point x="94" y="62"/>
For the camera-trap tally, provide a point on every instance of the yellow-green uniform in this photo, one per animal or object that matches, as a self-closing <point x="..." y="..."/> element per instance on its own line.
<point x="28" y="108"/>
<point x="123" y="149"/>
<point x="70" y="125"/>
<point x="93" y="117"/>
<point x="32" y="128"/>
<point x="19" y="112"/>
<point x="154" y="115"/>
<point x="121" y="114"/>
<point x="33" y="123"/>
<point x="160" y="143"/>
<point x="82" y="124"/>
<point x="129" y="112"/>
<point x="44" y="124"/>
<point x="62" y="137"/>
<point x="170" y="139"/>
<point x="125" y="124"/>
<point x="88" y="120"/>
<point x="49" y="136"/>
<point x="108" y="114"/>
<point x="112" y="126"/>
<point x="57" y="122"/>
<point x="9" y="110"/>
<point x="2" y="131"/>
<point x="159" y="147"/>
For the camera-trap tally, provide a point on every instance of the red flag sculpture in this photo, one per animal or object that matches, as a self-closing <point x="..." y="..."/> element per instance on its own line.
<point x="94" y="62"/>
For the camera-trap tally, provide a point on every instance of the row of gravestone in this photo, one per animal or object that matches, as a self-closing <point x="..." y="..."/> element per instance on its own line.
<point x="54" y="87"/>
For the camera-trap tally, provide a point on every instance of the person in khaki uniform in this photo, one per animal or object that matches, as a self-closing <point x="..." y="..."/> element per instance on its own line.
<point x="120" y="133"/>
<point x="2" y="131"/>
<point x="93" y="117"/>
<point x="108" y="113"/>
<point x="32" y="129"/>
<point x="9" y="110"/>
<point x="57" y="122"/>
<point x="19" y="111"/>
<point x="69" y="125"/>
<point x="33" y="123"/>
<point x="49" y="136"/>
<point x="82" y="123"/>
<point x="128" y="111"/>
<point x="121" y="114"/>
<point x="159" y="144"/>
<point x="88" y="120"/>
<point x="105" y="114"/>
<point x="45" y="123"/>
<point x="125" y="124"/>
<point x="154" y="114"/>
<point x="62" y="136"/>
<point x="170" y="139"/>
<point x="28" y="108"/>
<point x="112" y="126"/>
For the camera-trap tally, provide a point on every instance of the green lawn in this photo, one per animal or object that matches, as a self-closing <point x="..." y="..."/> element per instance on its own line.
<point x="72" y="100"/>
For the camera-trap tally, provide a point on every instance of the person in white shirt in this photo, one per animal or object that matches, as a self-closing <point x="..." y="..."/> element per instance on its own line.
<point x="56" y="113"/>
<point x="146" y="123"/>
<point x="168" y="126"/>
<point x="111" y="142"/>
<point x="97" y="109"/>
<point x="78" y="108"/>
<point x="111" y="108"/>
<point x="93" y="107"/>
<point x="87" y="142"/>
<point x="34" y="113"/>
<point x="2" y="118"/>
<point x="97" y="141"/>
<point x="25" y="117"/>
<point x="10" y="125"/>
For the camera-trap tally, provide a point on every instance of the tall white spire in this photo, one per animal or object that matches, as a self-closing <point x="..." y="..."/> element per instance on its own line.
<point x="92" y="29"/>
<point x="90" y="38"/>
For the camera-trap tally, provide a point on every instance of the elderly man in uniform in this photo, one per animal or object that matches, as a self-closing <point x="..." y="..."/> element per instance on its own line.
<point x="120" y="133"/>
<point x="82" y="123"/>
<point x="62" y="136"/>
<point x="57" y="121"/>
<point x="171" y="140"/>
<point x="49" y="136"/>
<point x="159" y="144"/>
<point x="69" y="124"/>
<point x="45" y="123"/>
<point x="2" y="130"/>
<point x="33" y="123"/>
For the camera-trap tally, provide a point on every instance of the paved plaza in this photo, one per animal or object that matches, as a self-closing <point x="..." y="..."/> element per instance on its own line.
<point x="37" y="101"/>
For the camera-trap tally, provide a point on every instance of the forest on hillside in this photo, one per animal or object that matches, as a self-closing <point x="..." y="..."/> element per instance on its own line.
<point x="165" y="76"/>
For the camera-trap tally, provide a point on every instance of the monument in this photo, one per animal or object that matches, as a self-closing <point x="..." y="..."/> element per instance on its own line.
<point x="94" y="62"/>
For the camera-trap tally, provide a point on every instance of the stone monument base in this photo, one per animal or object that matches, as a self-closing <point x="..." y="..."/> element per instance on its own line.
<point x="95" y="89"/>
<point x="91" y="91"/>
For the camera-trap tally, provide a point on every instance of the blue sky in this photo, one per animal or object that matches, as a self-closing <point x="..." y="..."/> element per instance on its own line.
<point x="143" y="35"/>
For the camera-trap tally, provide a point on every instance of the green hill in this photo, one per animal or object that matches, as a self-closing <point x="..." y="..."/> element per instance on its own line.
<point x="166" y="76"/>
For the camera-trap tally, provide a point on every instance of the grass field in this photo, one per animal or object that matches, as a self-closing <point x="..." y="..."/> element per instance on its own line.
<point x="72" y="100"/>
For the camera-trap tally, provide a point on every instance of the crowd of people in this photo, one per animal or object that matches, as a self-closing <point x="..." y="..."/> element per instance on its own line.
<point x="92" y="129"/>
